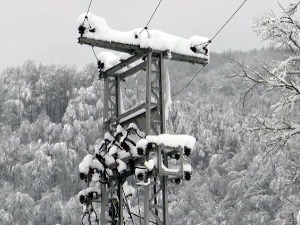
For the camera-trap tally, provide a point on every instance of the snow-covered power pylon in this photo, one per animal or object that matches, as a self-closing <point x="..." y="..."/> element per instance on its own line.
<point x="135" y="143"/>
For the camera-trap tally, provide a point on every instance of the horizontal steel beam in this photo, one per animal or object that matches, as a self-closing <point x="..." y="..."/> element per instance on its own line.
<point x="131" y="49"/>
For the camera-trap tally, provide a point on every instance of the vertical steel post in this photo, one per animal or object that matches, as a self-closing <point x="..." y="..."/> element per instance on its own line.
<point x="164" y="130"/>
<point x="104" y="199"/>
<point x="104" y="203"/>
<point x="118" y="96"/>
<point x="147" y="131"/>
<point x="121" y="202"/>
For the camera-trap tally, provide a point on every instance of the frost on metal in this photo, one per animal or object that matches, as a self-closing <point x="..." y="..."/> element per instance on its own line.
<point x="127" y="152"/>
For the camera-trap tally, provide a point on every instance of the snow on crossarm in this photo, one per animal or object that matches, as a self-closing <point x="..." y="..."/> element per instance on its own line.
<point x="96" y="28"/>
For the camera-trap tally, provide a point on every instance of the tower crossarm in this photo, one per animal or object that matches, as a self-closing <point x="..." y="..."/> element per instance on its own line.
<point x="133" y="49"/>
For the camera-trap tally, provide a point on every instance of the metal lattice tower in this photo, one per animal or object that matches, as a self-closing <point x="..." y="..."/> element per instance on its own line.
<point x="148" y="116"/>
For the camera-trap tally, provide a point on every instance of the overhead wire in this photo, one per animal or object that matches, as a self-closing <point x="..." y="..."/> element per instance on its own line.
<point x="138" y="199"/>
<point x="210" y="41"/>
<point x="127" y="206"/>
<point x="188" y="84"/>
<point x="224" y="25"/>
<point x="146" y="27"/>
<point x="153" y="13"/>
<point x="87" y="12"/>
<point x="86" y="18"/>
<point x="150" y="221"/>
<point x="95" y="53"/>
<point x="219" y="31"/>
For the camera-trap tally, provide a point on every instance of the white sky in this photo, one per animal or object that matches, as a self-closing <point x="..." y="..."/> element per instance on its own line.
<point x="45" y="30"/>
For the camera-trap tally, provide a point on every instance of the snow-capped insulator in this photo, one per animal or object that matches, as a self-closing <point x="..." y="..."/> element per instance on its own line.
<point x="125" y="146"/>
<point x="90" y="196"/>
<point x="187" y="176"/>
<point x="187" y="151"/>
<point x="81" y="30"/>
<point x="81" y="176"/>
<point x="100" y="65"/>
<point x="177" y="181"/>
<point x="177" y="156"/>
<point x="140" y="151"/>
<point x="92" y="30"/>
<point x="205" y="50"/>
<point x="194" y="49"/>
<point x="90" y="174"/>
<point x="101" y="159"/>
<point x="150" y="146"/>
<point x="140" y="176"/>
<point x="82" y="199"/>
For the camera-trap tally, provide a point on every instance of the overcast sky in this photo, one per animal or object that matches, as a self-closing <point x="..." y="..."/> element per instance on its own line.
<point x="45" y="30"/>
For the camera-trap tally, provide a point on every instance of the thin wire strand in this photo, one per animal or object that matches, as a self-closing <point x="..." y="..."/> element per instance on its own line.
<point x="225" y="24"/>
<point x="188" y="84"/>
<point x="208" y="42"/>
<point x="127" y="206"/>
<point x="153" y="13"/>
<point x="238" y="9"/>
<point x="137" y="189"/>
<point x="88" y="10"/>
<point x="150" y="221"/>
<point x="95" y="53"/>
<point x="146" y="27"/>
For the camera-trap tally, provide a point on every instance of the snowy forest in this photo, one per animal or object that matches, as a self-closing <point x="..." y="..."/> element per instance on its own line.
<point x="242" y="110"/>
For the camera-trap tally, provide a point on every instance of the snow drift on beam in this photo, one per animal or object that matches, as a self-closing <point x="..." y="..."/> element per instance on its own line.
<point x="95" y="27"/>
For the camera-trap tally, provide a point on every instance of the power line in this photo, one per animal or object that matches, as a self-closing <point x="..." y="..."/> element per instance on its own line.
<point x="146" y="27"/>
<point x="153" y="13"/>
<point x="208" y="42"/>
<point x="225" y="24"/>
<point x="138" y="199"/>
<point x="188" y="84"/>
<point x="88" y="10"/>
<point x="95" y="53"/>
<point x="86" y="16"/>
<point x="238" y="9"/>
<point x="127" y="206"/>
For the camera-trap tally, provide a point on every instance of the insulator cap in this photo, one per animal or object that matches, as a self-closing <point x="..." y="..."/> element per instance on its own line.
<point x="82" y="199"/>
<point x="81" y="176"/>
<point x="125" y="146"/>
<point x="92" y="30"/>
<point x="100" y="65"/>
<point x="187" y="151"/>
<point x="177" y="181"/>
<point x="81" y="30"/>
<point x="140" y="151"/>
<point x="187" y="176"/>
<point x="140" y="176"/>
<point x="193" y="49"/>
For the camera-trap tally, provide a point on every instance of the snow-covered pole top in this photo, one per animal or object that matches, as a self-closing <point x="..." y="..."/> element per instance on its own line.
<point x="94" y="31"/>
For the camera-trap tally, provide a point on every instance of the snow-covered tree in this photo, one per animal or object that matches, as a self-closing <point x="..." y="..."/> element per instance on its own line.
<point x="281" y="123"/>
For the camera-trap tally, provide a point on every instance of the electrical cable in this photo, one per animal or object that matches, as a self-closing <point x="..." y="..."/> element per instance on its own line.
<point x="146" y="27"/>
<point x="238" y="9"/>
<point x="187" y="85"/>
<point x="95" y="53"/>
<point x="153" y="13"/>
<point x="137" y="189"/>
<point x="127" y="206"/>
<point x="143" y="218"/>
<point x="210" y="41"/>
<point x="87" y="12"/>
<point x="225" y="24"/>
